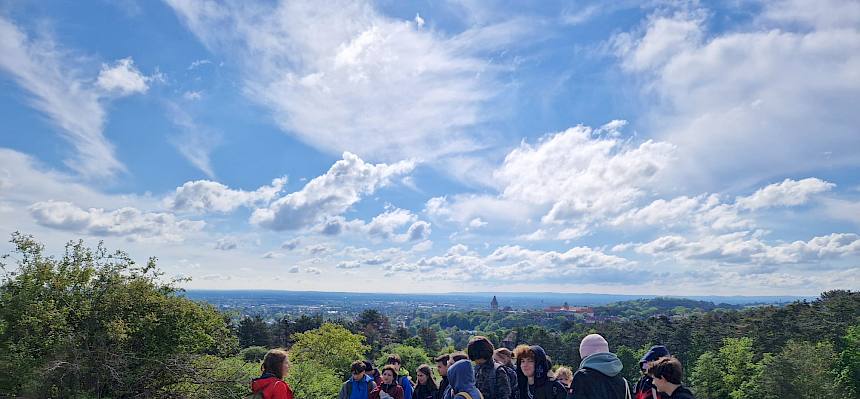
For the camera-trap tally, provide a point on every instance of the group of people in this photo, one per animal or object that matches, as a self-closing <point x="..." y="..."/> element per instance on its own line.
<point x="484" y="372"/>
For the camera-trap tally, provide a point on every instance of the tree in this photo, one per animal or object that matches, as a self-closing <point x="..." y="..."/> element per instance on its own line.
<point x="375" y="326"/>
<point x="630" y="362"/>
<point x="429" y="338"/>
<point x="253" y="331"/>
<point x="331" y="346"/>
<point x="802" y="370"/>
<point x="707" y="377"/>
<point x="96" y="323"/>
<point x="737" y="358"/>
<point x="310" y="380"/>
<point x="410" y="357"/>
<point x="849" y="359"/>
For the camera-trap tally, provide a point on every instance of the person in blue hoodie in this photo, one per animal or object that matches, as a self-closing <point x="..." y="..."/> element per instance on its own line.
<point x="461" y="376"/>
<point x="598" y="376"/>
<point x="645" y="388"/>
<point x="359" y="386"/>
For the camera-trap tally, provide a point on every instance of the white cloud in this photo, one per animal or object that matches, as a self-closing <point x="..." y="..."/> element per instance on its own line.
<point x="192" y="95"/>
<point x="477" y="223"/>
<point x="202" y="196"/>
<point x="787" y="193"/>
<point x="381" y="87"/>
<point x="124" y="222"/>
<point x="122" y="78"/>
<point x="67" y="100"/>
<point x="291" y="244"/>
<point x="198" y="63"/>
<point x="193" y="141"/>
<point x="329" y="195"/>
<point x="227" y="243"/>
<point x="294" y="269"/>
<point x="348" y="265"/>
<point x="772" y="98"/>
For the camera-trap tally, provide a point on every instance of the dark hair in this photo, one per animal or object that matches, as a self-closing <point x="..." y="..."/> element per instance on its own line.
<point x="425" y="369"/>
<point x="442" y="359"/>
<point x="667" y="368"/>
<point x="480" y="348"/>
<point x="457" y="356"/>
<point x="273" y="362"/>
<point x="389" y="367"/>
<point x="357" y="367"/>
<point x="393" y="358"/>
<point x="368" y="366"/>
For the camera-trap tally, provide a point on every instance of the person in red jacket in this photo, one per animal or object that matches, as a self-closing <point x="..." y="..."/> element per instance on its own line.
<point x="271" y="384"/>
<point x="389" y="388"/>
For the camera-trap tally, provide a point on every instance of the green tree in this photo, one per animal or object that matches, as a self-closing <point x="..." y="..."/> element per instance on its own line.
<point x="96" y="323"/>
<point x="802" y="370"/>
<point x="630" y="362"/>
<point x="253" y="331"/>
<point x="331" y="346"/>
<point x="707" y="377"/>
<point x="311" y="380"/>
<point x="253" y="354"/>
<point x="737" y="358"/>
<point x="410" y="357"/>
<point x="850" y="359"/>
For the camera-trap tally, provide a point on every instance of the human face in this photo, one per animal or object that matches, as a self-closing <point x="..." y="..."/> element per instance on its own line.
<point x="662" y="385"/>
<point x="443" y="368"/>
<point x="387" y="376"/>
<point x="422" y="378"/>
<point x="564" y="380"/>
<point x="358" y="376"/>
<point x="285" y="368"/>
<point x="527" y="366"/>
<point x="396" y="366"/>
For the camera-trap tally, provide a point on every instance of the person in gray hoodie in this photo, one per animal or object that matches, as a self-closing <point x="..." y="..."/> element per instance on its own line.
<point x="598" y="376"/>
<point x="461" y="376"/>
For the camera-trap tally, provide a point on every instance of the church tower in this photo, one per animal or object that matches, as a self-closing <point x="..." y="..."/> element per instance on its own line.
<point x="494" y="304"/>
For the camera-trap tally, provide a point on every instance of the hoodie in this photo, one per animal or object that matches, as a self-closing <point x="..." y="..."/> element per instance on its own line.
<point x="461" y="376"/>
<point x="543" y="387"/>
<point x="272" y="387"/>
<point x="598" y="378"/>
<point x="352" y="389"/>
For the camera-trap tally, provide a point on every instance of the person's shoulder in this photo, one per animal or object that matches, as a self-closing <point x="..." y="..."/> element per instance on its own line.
<point x="683" y="393"/>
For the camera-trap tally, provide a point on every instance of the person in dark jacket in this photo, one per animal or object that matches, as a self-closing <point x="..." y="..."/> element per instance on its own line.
<point x="426" y="387"/>
<point x="442" y="368"/>
<point x="373" y="372"/>
<point x="359" y="386"/>
<point x="503" y="356"/>
<point x="271" y="383"/>
<point x="598" y="376"/>
<point x="644" y="388"/>
<point x="403" y="380"/>
<point x="668" y="373"/>
<point x="461" y="374"/>
<point x="490" y="377"/>
<point x="389" y="389"/>
<point x="533" y="368"/>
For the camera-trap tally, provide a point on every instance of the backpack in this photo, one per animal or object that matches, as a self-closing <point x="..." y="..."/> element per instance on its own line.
<point x="496" y="367"/>
<point x="512" y="381"/>
<point x="465" y="395"/>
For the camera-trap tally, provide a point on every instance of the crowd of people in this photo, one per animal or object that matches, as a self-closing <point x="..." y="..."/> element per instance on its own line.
<point x="484" y="372"/>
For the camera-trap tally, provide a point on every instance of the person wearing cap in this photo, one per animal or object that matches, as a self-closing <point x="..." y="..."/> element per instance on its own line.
<point x="599" y="374"/>
<point x="644" y="388"/>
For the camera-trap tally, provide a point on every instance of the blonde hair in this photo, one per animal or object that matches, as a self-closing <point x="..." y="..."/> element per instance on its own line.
<point x="563" y="372"/>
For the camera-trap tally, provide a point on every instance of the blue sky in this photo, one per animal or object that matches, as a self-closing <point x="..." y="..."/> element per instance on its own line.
<point x="638" y="147"/>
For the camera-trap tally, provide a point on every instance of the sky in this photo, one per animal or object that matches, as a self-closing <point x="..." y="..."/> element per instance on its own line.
<point x="631" y="147"/>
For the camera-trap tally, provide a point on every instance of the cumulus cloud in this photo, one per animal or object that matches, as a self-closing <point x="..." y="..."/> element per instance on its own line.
<point x="58" y="91"/>
<point x="203" y="196"/>
<point x="727" y="100"/>
<point x="122" y="78"/>
<point x="227" y="243"/>
<point x="331" y="194"/>
<point x="381" y="87"/>
<point x="787" y="193"/>
<point x="290" y="245"/>
<point x="124" y="222"/>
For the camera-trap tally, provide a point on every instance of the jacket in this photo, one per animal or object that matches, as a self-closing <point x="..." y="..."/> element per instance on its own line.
<point x="406" y="384"/>
<point x="512" y="378"/>
<point x="393" y="390"/>
<point x="492" y="388"/>
<point x="682" y="393"/>
<point x="362" y="387"/>
<point x="461" y="375"/>
<point x="425" y="392"/>
<point x="543" y="387"/>
<point x="272" y="387"/>
<point x="443" y="387"/>
<point x="598" y="378"/>
<point x="645" y="389"/>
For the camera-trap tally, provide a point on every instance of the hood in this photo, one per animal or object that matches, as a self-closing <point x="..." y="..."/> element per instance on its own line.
<point x="366" y="379"/>
<point x="656" y="352"/>
<point x="259" y="384"/>
<point x="606" y="363"/>
<point x="461" y="376"/>
<point x="542" y="368"/>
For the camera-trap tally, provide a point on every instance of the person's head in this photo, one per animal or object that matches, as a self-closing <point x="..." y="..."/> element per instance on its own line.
<point x="591" y="344"/>
<point x="456" y="357"/>
<point x="533" y="362"/>
<point x="368" y="367"/>
<point x="357" y="369"/>
<point x="276" y="362"/>
<point x="503" y="356"/>
<point x="656" y="352"/>
<point x="461" y="376"/>
<point x="525" y="360"/>
<point x="425" y="375"/>
<point x="389" y="373"/>
<point x="667" y="373"/>
<point x="564" y="375"/>
<point x="442" y="364"/>
<point x="393" y="360"/>
<point x="480" y="350"/>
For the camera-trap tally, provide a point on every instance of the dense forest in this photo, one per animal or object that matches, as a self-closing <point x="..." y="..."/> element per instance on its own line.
<point x="93" y="323"/>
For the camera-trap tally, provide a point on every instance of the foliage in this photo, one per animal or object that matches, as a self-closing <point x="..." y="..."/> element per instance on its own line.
<point x="331" y="346"/>
<point x="254" y="331"/>
<point x="217" y="378"/>
<point x="96" y="323"/>
<point x="253" y="354"/>
<point x="410" y="357"/>
<point x="310" y="380"/>
<point x="802" y="370"/>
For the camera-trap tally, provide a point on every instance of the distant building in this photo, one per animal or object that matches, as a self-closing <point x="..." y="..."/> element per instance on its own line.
<point x="580" y="310"/>
<point x="510" y="340"/>
<point x="494" y="304"/>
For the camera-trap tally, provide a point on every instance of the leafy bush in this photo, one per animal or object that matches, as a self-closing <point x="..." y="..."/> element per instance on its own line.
<point x="253" y="354"/>
<point x="410" y="357"/>
<point x="310" y="380"/>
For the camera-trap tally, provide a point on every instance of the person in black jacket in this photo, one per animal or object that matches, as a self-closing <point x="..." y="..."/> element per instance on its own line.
<point x="533" y="368"/>
<point x="442" y="368"/>
<point x="598" y="376"/>
<point x="503" y="357"/>
<point x="644" y="388"/>
<point x="426" y="387"/>
<point x="668" y="373"/>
